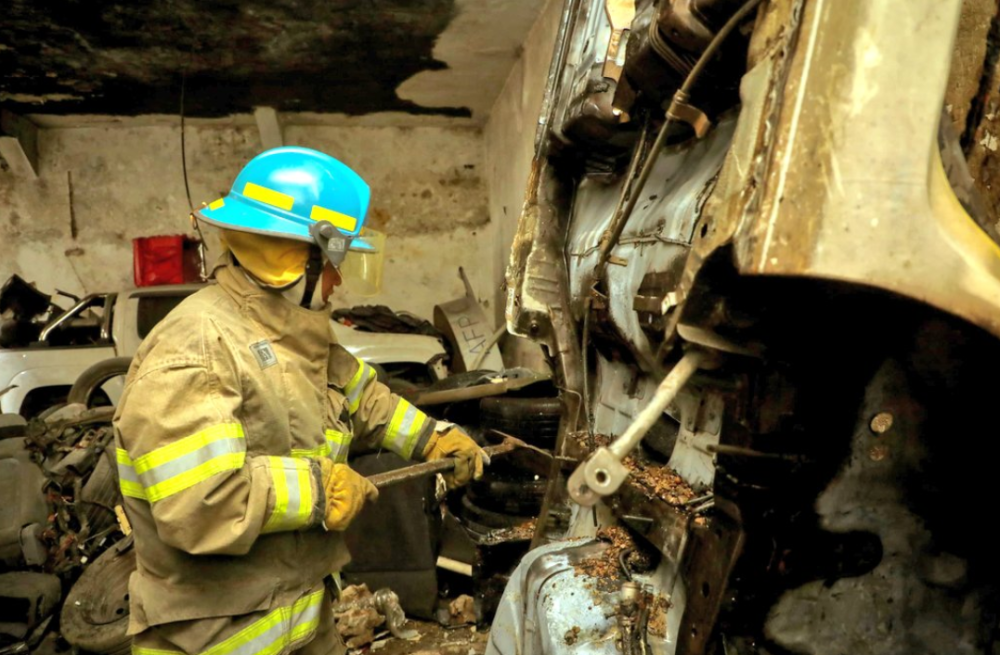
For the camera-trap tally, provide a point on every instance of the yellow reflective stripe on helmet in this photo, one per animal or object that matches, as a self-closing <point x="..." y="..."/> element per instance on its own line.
<point x="268" y="196"/>
<point x="293" y="494"/>
<point x="128" y="479"/>
<point x="340" y="445"/>
<point x="276" y="631"/>
<point x="404" y="429"/>
<point x="356" y="387"/>
<point x="221" y="202"/>
<point x="343" y="221"/>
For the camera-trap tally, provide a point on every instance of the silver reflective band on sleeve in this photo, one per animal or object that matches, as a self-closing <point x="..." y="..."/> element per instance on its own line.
<point x="356" y="387"/>
<point x="128" y="480"/>
<point x="340" y="445"/>
<point x="293" y="493"/>
<point x="183" y="463"/>
<point x="404" y="429"/>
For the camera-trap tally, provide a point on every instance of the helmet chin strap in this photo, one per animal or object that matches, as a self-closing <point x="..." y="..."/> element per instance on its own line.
<point x="314" y="268"/>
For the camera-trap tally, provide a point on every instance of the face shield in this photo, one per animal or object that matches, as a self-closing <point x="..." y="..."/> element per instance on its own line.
<point x="361" y="268"/>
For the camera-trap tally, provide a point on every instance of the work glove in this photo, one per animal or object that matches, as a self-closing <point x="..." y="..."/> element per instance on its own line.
<point x="452" y="442"/>
<point x="346" y="492"/>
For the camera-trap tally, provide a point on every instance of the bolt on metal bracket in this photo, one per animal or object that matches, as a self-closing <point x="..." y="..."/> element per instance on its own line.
<point x="603" y="472"/>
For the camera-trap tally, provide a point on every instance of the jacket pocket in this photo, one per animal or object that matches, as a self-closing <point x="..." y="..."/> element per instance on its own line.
<point x="156" y="603"/>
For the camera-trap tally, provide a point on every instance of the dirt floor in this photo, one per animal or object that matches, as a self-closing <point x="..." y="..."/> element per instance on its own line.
<point x="434" y="639"/>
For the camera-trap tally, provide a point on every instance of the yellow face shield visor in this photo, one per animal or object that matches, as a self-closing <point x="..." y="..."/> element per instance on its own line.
<point x="361" y="269"/>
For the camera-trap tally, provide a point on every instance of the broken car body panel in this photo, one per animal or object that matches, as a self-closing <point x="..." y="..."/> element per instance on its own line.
<point x="826" y="190"/>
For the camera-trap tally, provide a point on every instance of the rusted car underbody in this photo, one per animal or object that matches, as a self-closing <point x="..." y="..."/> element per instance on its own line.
<point x="749" y="220"/>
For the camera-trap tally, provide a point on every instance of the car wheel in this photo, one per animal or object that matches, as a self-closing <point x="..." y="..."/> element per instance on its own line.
<point x="91" y="379"/>
<point x="95" y="615"/>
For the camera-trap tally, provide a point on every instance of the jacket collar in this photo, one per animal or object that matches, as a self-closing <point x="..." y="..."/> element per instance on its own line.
<point x="284" y="322"/>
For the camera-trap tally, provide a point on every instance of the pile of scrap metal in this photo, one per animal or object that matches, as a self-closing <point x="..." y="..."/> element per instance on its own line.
<point x="772" y="316"/>
<point x="64" y="556"/>
<point x="469" y="541"/>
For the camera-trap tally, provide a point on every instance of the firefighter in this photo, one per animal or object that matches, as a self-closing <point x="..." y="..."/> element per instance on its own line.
<point x="238" y="412"/>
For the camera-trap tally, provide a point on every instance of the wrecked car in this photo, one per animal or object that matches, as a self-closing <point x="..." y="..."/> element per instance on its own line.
<point x="49" y="348"/>
<point x="752" y="249"/>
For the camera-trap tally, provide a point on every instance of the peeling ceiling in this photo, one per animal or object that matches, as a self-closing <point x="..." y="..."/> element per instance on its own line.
<point x="70" y="57"/>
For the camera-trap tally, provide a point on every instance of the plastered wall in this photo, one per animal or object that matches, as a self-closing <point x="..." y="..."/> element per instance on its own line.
<point x="101" y="186"/>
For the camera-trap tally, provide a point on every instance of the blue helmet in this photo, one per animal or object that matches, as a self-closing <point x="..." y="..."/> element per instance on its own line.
<point x="296" y="193"/>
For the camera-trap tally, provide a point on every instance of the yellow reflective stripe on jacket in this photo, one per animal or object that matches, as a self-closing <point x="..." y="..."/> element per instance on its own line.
<point x="276" y="631"/>
<point x="336" y="446"/>
<point x="404" y="429"/>
<point x="293" y="493"/>
<point x="356" y="387"/>
<point x="318" y="451"/>
<point x="339" y="444"/>
<point x="184" y="463"/>
<point x="128" y="480"/>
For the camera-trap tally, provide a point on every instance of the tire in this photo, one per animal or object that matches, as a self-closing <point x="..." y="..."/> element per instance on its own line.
<point x="536" y="420"/>
<point x="92" y="379"/>
<point x="95" y="615"/>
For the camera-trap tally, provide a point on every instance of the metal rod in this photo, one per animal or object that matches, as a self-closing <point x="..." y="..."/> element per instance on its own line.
<point x="424" y="469"/>
<point x="665" y="394"/>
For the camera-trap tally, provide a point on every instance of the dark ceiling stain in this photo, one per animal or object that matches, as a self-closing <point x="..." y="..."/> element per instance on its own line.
<point x="129" y="57"/>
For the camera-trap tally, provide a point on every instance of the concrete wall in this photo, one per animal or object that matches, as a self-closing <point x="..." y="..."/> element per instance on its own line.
<point x="448" y="194"/>
<point x="510" y="137"/>
<point x="100" y="186"/>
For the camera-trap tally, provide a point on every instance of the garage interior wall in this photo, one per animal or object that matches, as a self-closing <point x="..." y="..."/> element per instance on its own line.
<point x="99" y="187"/>
<point x="447" y="191"/>
<point x="510" y="138"/>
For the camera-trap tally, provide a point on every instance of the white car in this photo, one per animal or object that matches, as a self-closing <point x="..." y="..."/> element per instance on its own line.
<point x="35" y="378"/>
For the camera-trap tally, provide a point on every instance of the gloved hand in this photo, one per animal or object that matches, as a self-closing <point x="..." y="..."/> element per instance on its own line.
<point x="455" y="443"/>
<point x="346" y="492"/>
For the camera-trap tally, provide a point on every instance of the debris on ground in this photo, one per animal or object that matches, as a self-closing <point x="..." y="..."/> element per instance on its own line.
<point x="520" y="532"/>
<point x="356" y="616"/>
<point x="654" y="479"/>
<point x="657" y="624"/>
<point x="659" y="481"/>
<point x="462" y="610"/>
<point x="359" y="612"/>
<point x="621" y="548"/>
<point x="572" y="635"/>
<point x="433" y="639"/>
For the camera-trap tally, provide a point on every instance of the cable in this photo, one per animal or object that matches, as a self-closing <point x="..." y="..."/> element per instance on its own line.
<point x="624" y="211"/>
<point x="202" y="245"/>
<point x="631" y="193"/>
<point x="184" y="167"/>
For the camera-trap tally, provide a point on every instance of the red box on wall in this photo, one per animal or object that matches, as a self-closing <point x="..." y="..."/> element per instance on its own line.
<point x="171" y="259"/>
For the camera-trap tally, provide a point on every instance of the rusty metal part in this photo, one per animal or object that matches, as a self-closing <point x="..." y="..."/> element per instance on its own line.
<point x="683" y="111"/>
<point x="385" y="602"/>
<point x="424" y="469"/>
<point x="679" y="108"/>
<point x="620" y="14"/>
<point x="522" y="444"/>
<point x="813" y="119"/>
<point x="711" y="555"/>
<point x="632" y="615"/>
<point x="502" y="385"/>
<point x="881" y="422"/>
<point x="603" y="473"/>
